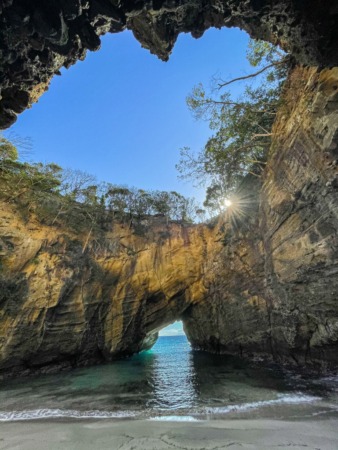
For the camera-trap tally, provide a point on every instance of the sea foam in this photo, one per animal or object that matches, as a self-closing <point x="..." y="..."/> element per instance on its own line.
<point x="281" y="399"/>
<point x="37" y="414"/>
<point x="174" y="418"/>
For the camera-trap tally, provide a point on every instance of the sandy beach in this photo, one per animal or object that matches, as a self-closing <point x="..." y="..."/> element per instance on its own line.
<point x="152" y="435"/>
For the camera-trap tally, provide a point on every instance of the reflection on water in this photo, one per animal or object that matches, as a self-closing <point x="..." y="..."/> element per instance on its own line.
<point x="168" y="380"/>
<point x="173" y="375"/>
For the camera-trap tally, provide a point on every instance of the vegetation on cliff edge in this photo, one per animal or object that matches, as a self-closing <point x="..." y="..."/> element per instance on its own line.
<point x="73" y="198"/>
<point x="241" y="125"/>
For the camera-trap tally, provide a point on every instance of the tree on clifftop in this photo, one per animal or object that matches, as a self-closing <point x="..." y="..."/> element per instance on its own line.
<point x="242" y="125"/>
<point x="8" y="151"/>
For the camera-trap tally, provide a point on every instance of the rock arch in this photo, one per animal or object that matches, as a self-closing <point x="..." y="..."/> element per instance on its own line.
<point x="62" y="307"/>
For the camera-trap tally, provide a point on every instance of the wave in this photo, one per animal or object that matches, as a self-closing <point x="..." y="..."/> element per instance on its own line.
<point x="199" y="414"/>
<point x="36" y="414"/>
<point x="185" y="416"/>
<point x="281" y="399"/>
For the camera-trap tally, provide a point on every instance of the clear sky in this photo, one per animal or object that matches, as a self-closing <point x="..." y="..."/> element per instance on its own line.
<point x="175" y="329"/>
<point x="121" y="114"/>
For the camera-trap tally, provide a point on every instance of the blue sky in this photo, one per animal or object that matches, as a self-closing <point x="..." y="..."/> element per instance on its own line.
<point x="175" y="329"/>
<point x="121" y="114"/>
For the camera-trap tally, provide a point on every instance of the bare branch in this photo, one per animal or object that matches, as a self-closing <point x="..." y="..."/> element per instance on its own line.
<point x="239" y="105"/>
<point x="252" y="75"/>
<point x="264" y="129"/>
<point x="263" y="135"/>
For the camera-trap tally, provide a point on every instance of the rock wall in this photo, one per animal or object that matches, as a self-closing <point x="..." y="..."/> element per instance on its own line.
<point x="61" y="306"/>
<point x="275" y="293"/>
<point x="234" y="317"/>
<point x="37" y="37"/>
<point x="263" y="282"/>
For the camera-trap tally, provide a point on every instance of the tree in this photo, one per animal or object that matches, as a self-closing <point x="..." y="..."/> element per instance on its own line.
<point x="142" y="202"/>
<point x="161" y="202"/>
<point x="201" y="214"/>
<point x="173" y="201"/>
<point x="241" y="125"/>
<point x="71" y="197"/>
<point x="75" y="182"/>
<point x="8" y="151"/>
<point x="214" y="198"/>
<point x="182" y="208"/>
<point x="89" y="195"/>
<point x="46" y="177"/>
<point x="117" y="197"/>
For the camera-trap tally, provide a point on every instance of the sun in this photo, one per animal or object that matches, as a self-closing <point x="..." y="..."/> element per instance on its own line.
<point x="227" y="202"/>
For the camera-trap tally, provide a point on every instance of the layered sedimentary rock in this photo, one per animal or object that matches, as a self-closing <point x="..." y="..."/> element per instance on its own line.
<point x="264" y="285"/>
<point x="276" y="287"/>
<point x="61" y="306"/>
<point x="37" y="38"/>
<point x="263" y="282"/>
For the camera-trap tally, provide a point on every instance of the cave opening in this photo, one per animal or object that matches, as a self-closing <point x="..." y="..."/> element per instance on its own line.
<point x="169" y="338"/>
<point x="172" y="330"/>
<point x="130" y="108"/>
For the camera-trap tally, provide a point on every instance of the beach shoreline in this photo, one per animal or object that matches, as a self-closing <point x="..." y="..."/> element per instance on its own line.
<point x="126" y="434"/>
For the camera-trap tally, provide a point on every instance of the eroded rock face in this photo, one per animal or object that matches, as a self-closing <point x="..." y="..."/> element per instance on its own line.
<point x="262" y="286"/>
<point x="37" y="38"/>
<point x="276" y="289"/>
<point x="234" y="316"/>
<point x="267" y="286"/>
<point x="62" y="307"/>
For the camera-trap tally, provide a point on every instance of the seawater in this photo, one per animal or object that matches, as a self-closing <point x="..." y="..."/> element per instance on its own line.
<point x="169" y="382"/>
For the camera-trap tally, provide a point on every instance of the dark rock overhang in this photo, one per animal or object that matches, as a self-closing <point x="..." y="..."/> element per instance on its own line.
<point x="38" y="37"/>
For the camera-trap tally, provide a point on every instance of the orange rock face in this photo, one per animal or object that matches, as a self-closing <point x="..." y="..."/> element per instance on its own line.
<point x="65" y="306"/>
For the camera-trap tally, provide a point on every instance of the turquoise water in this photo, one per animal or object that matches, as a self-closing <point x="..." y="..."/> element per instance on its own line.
<point x="168" y="382"/>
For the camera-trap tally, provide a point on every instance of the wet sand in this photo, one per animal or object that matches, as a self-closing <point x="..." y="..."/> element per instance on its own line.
<point x="152" y="435"/>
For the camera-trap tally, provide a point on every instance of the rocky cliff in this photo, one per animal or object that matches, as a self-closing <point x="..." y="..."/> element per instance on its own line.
<point x="61" y="306"/>
<point x="37" y="38"/>
<point x="263" y="282"/>
<point x="275" y="292"/>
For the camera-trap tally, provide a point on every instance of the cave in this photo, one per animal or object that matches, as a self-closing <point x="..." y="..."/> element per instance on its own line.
<point x="37" y="40"/>
<point x="267" y="290"/>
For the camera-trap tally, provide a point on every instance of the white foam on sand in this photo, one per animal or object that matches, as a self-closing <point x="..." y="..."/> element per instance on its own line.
<point x="175" y="418"/>
<point x="280" y="400"/>
<point x="37" y="414"/>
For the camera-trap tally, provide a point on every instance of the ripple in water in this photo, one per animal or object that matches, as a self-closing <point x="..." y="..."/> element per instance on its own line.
<point x="169" y="382"/>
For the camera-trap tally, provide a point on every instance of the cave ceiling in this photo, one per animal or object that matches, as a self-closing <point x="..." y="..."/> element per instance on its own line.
<point x="39" y="37"/>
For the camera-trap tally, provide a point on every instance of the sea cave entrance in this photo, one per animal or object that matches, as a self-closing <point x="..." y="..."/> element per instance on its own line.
<point x="173" y="330"/>
<point x="173" y="371"/>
